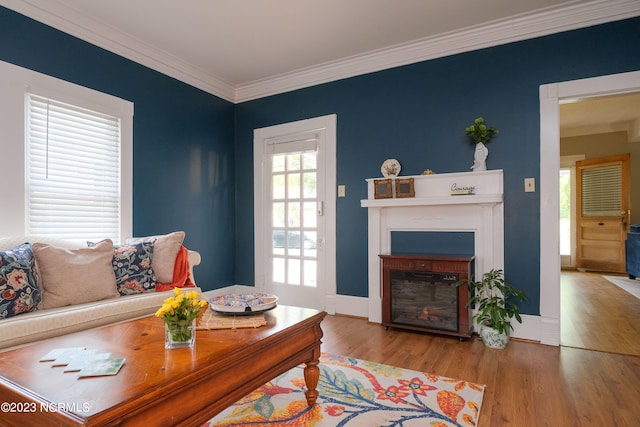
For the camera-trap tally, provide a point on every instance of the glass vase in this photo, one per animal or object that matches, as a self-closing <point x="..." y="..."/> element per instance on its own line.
<point x="179" y="334"/>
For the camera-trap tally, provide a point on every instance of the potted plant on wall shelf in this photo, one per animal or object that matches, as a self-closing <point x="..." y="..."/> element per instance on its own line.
<point x="480" y="134"/>
<point x="493" y="300"/>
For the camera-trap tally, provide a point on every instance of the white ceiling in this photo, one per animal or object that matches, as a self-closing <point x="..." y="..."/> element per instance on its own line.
<point x="604" y="114"/>
<point x="246" y="49"/>
<point x="241" y="41"/>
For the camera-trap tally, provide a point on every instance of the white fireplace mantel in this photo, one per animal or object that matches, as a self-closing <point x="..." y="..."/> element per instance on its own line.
<point x="434" y="209"/>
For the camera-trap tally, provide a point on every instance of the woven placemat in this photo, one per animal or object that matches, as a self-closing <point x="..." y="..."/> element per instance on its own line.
<point x="211" y="320"/>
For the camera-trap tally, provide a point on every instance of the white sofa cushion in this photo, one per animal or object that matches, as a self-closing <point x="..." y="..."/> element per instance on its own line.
<point x="37" y="325"/>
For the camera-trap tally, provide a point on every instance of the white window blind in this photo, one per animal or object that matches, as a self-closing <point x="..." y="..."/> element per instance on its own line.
<point x="602" y="191"/>
<point x="73" y="171"/>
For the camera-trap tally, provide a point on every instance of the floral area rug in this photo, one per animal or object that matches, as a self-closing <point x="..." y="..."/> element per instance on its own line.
<point x="358" y="393"/>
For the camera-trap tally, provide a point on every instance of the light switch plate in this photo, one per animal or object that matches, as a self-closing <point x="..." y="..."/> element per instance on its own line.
<point x="342" y="190"/>
<point x="529" y="185"/>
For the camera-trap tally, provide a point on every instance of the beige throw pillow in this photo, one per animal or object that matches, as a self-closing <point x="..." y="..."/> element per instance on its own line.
<point x="75" y="276"/>
<point x="165" y="250"/>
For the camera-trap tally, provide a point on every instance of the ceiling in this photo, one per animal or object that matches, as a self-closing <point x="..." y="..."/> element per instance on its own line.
<point x="603" y="114"/>
<point x="242" y="41"/>
<point x="245" y="49"/>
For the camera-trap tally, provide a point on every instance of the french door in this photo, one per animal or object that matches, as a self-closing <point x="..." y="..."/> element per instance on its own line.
<point x="294" y="214"/>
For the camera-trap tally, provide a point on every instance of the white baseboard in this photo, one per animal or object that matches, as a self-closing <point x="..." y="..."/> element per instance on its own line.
<point x="529" y="329"/>
<point x="352" y="306"/>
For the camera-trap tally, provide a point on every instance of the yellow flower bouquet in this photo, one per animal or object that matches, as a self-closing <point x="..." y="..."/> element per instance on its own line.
<point x="179" y="313"/>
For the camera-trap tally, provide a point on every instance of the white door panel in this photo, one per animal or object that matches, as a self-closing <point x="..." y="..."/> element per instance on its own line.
<point x="294" y="167"/>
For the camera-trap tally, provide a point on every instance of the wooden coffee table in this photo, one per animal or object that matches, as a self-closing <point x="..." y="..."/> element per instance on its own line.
<point x="158" y="387"/>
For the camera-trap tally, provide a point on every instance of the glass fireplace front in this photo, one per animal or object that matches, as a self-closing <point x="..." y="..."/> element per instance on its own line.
<point x="425" y="299"/>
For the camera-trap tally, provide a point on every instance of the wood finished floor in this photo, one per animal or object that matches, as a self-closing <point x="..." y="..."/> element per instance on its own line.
<point x="528" y="384"/>
<point x="598" y="315"/>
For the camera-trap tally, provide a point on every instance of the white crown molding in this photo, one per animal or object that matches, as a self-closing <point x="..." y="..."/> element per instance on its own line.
<point x="502" y="32"/>
<point x="549" y="21"/>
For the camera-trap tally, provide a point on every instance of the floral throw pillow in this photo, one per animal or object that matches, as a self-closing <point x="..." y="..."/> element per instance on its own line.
<point x="19" y="292"/>
<point x="132" y="266"/>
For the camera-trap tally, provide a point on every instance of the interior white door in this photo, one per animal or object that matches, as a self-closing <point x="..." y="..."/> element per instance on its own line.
<point x="295" y="211"/>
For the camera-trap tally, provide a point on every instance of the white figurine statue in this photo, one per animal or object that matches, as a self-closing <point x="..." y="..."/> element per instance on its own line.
<point x="480" y="157"/>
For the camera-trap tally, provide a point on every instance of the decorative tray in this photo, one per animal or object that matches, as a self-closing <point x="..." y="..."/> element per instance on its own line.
<point x="243" y="304"/>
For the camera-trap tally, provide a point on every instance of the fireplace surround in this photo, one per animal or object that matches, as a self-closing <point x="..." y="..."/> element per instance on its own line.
<point x="437" y="207"/>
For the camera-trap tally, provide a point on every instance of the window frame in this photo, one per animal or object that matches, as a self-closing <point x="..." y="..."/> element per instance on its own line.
<point x="15" y="85"/>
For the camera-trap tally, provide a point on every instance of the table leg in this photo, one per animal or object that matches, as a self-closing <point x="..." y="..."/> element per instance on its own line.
<point x="311" y="376"/>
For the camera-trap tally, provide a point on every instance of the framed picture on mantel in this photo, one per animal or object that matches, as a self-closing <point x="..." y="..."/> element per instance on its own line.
<point x="382" y="189"/>
<point x="405" y="188"/>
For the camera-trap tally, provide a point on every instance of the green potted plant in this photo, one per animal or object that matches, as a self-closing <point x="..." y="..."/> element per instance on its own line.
<point x="493" y="299"/>
<point x="480" y="134"/>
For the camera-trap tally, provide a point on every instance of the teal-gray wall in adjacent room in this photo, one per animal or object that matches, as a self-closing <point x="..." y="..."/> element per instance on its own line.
<point x="417" y="114"/>
<point x="183" y="140"/>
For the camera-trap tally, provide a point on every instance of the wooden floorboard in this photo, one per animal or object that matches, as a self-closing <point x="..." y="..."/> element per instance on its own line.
<point x="527" y="384"/>
<point x="598" y="315"/>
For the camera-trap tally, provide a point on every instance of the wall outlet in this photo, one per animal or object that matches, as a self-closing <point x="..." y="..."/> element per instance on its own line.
<point x="529" y="185"/>
<point x="342" y="190"/>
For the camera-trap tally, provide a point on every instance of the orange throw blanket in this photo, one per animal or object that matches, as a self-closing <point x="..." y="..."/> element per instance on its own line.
<point x="181" y="275"/>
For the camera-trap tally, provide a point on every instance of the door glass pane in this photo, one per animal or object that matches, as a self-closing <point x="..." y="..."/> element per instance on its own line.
<point x="309" y="185"/>
<point x="278" y="219"/>
<point x="309" y="244"/>
<point x="293" y="213"/>
<point x="294" y="272"/>
<point x="277" y="239"/>
<point x="278" y="270"/>
<point x="293" y="243"/>
<point x="277" y="164"/>
<point x="277" y="186"/>
<point x="309" y="161"/>
<point x="293" y="190"/>
<point x="310" y="217"/>
<point x="310" y="273"/>
<point x="293" y="162"/>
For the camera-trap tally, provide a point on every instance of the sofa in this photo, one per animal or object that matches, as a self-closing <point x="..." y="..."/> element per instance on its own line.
<point x="632" y="247"/>
<point x="51" y="287"/>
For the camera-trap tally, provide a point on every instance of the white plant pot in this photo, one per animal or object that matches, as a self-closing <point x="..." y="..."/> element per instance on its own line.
<point x="492" y="338"/>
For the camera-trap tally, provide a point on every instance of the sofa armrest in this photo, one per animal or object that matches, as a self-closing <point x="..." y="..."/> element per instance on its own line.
<point x="194" y="259"/>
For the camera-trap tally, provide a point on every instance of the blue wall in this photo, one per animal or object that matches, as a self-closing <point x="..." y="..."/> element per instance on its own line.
<point x="418" y="113"/>
<point x="183" y="140"/>
<point x="432" y="243"/>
